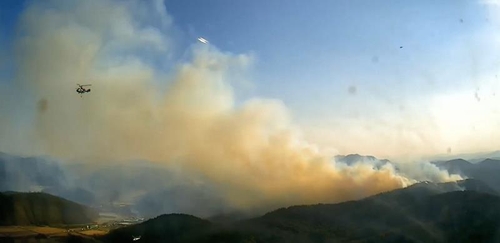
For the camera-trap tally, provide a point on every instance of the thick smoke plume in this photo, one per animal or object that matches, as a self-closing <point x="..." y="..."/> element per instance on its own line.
<point x="189" y="119"/>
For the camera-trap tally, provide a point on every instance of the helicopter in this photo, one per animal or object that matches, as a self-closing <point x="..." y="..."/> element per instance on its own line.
<point x="81" y="90"/>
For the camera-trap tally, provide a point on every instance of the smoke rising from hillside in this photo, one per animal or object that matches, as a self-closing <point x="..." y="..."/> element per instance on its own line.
<point x="251" y="152"/>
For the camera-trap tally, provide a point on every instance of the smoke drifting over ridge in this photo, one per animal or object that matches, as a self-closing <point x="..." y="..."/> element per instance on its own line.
<point x="252" y="153"/>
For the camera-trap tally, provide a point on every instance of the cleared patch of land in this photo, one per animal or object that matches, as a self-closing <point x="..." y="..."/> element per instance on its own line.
<point x="10" y="229"/>
<point x="93" y="232"/>
<point x="16" y="231"/>
<point x="47" y="230"/>
<point x="87" y="231"/>
<point x="26" y="231"/>
<point x="45" y="234"/>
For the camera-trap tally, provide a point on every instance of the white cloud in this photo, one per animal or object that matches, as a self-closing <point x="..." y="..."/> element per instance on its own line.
<point x="490" y="2"/>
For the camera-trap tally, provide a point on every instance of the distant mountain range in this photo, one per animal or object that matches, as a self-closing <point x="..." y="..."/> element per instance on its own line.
<point x="486" y="170"/>
<point x="42" y="209"/>
<point x="464" y="211"/>
<point x="149" y="190"/>
<point x="40" y="174"/>
<point x="471" y="157"/>
<point x="352" y="159"/>
<point x="20" y="173"/>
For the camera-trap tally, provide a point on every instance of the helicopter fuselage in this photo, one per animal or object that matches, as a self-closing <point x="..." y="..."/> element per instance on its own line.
<point x="82" y="90"/>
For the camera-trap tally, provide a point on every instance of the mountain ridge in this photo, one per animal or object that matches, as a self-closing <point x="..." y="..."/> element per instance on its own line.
<point x="485" y="170"/>
<point x="378" y="218"/>
<point x="37" y="208"/>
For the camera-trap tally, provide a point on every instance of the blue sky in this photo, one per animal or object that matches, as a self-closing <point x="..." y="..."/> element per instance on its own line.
<point x="9" y="13"/>
<point x="401" y="56"/>
<point x="310" y="52"/>
<point x="319" y="48"/>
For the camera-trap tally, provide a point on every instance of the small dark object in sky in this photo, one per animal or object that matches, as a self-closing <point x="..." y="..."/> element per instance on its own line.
<point x="43" y="105"/>
<point x="81" y="90"/>
<point x="400" y="47"/>
<point x="352" y="90"/>
<point x="461" y="20"/>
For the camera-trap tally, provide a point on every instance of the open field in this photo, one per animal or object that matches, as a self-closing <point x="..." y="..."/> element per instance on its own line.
<point x="10" y="229"/>
<point x="47" y="230"/>
<point x="15" y="231"/>
<point x="93" y="232"/>
<point x="45" y="234"/>
<point x="24" y="231"/>
<point x="58" y="233"/>
<point x="61" y="230"/>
